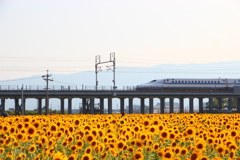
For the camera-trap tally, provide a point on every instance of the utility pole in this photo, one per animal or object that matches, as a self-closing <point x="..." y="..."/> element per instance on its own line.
<point x="46" y="78"/>
<point x="112" y="67"/>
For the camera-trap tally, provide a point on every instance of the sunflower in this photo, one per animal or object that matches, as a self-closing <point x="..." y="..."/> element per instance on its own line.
<point x="200" y="145"/>
<point x="94" y="143"/>
<point x="88" y="150"/>
<point x="168" y="155"/>
<point x="233" y="133"/>
<point x="76" y="122"/>
<point x="183" y="151"/>
<point x="86" y="157"/>
<point x="100" y="133"/>
<point x="138" y="156"/>
<point x="65" y="143"/>
<point x="20" y="137"/>
<point x="146" y="123"/>
<point x="143" y="137"/>
<point x="79" y="143"/>
<point x="32" y="148"/>
<point x="233" y="147"/>
<point x="139" y="143"/>
<point x="89" y="138"/>
<point x="59" y="156"/>
<point x="36" y="124"/>
<point x="53" y="128"/>
<point x="190" y="131"/>
<point x="204" y="158"/>
<point x="16" y="144"/>
<point x="72" y="157"/>
<point x="73" y="148"/>
<point x="44" y="140"/>
<point x="71" y="129"/>
<point x="70" y="139"/>
<point x="220" y="149"/>
<point x="164" y="134"/>
<point x="31" y="130"/>
<point x="136" y="129"/>
<point x="120" y="145"/>
<point x="194" y="156"/>
<point x="177" y="150"/>
<point x="2" y="150"/>
<point x="156" y="146"/>
<point x="9" y="157"/>
<point x="160" y="153"/>
<point x="12" y="130"/>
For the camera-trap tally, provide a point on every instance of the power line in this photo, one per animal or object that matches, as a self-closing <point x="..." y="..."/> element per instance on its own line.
<point x="19" y="79"/>
<point x="64" y="82"/>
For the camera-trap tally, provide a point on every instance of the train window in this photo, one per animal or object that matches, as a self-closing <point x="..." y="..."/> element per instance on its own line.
<point x="238" y="80"/>
<point x="208" y="81"/>
<point x="153" y="80"/>
<point x="215" y="82"/>
<point x="218" y="82"/>
<point x="198" y="81"/>
<point x="172" y="81"/>
<point x="205" y="81"/>
<point x="223" y="80"/>
<point x="195" y="81"/>
<point x="179" y="81"/>
<point x="192" y="82"/>
<point x="175" y="81"/>
<point x="182" y="81"/>
<point x="188" y="81"/>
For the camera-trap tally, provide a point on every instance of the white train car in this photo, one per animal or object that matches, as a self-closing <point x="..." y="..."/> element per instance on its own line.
<point x="218" y="83"/>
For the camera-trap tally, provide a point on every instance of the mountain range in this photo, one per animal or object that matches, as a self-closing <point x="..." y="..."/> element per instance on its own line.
<point x="126" y="77"/>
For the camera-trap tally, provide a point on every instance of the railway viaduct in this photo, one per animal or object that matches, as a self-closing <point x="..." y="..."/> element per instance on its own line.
<point x="69" y="94"/>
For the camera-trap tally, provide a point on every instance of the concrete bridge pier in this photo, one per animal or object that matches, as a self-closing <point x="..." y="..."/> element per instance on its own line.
<point x="109" y="105"/>
<point x="62" y="105"/>
<point x="162" y="105"/>
<point x="150" y="105"/>
<point x="230" y="100"/>
<point x="181" y="105"/>
<point x="69" y="105"/>
<point x="200" y="101"/>
<point x="130" y="101"/>
<point x="91" y="105"/>
<point x="220" y="103"/>
<point x="190" y="105"/>
<point x="23" y="106"/>
<point x="39" y="106"/>
<point x="16" y="106"/>
<point x="171" y="105"/>
<point x="2" y="106"/>
<point x="142" y="106"/>
<point x="210" y="105"/>
<point x="238" y="105"/>
<point x="121" y="105"/>
<point x="101" y="106"/>
<point x="84" y="105"/>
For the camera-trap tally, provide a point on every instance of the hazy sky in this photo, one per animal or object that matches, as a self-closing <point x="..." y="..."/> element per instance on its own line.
<point x="64" y="36"/>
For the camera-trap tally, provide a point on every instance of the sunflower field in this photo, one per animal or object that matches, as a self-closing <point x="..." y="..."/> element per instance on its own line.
<point x="132" y="137"/>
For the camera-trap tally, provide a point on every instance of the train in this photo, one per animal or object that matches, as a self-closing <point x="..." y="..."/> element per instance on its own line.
<point x="214" y="83"/>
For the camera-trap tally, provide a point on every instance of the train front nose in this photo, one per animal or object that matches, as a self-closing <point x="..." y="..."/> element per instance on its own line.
<point x="140" y="86"/>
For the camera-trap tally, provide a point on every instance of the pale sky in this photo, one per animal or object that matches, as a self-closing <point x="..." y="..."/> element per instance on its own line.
<point x="64" y="36"/>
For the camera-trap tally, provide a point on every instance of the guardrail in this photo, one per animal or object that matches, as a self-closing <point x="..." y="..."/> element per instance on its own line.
<point x="60" y="87"/>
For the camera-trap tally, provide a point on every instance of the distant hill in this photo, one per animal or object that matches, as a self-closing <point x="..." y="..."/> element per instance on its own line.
<point x="125" y="76"/>
<point x="131" y="76"/>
